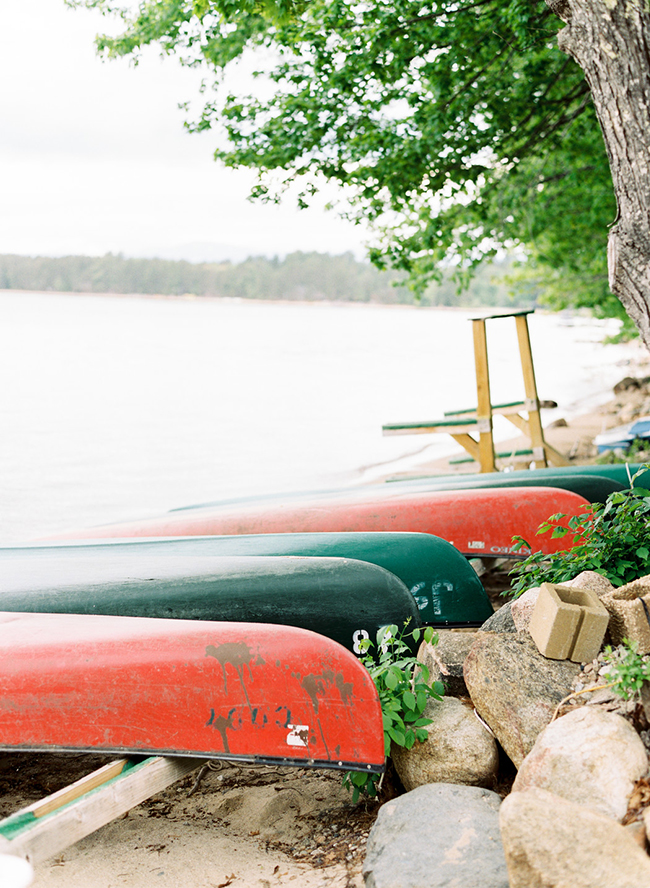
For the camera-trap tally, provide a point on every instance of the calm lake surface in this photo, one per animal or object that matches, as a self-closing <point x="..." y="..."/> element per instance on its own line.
<point x="119" y="407"/>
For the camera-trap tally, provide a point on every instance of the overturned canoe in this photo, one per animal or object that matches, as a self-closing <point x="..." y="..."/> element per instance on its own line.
<point x="594" y="486"/>
<point x="240" y="691"/>
<point x="446" y="589"/>
<point x="594" y="482"/>
<point x="341" y="598"/>
<point x="474" y="521"/>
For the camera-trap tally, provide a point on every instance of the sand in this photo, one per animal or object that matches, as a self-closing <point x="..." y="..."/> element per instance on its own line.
<point x="257" y="826"/>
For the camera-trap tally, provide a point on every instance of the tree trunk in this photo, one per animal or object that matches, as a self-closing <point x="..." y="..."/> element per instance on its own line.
<point x="610" y="40"/>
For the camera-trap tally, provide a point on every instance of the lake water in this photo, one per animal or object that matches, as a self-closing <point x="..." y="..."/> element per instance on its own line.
<point x="119" y="407"/>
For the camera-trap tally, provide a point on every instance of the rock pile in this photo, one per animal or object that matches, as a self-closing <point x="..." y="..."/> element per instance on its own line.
<point x="578" y="815"/>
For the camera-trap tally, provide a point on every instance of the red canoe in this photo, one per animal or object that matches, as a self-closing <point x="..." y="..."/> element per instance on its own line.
<point x="477" y="522"/>
<point x="242" y="691"/>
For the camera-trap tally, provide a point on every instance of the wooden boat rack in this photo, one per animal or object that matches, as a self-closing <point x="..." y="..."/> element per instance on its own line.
<point x="525" y="415"/>
<point x="51" y="825"/>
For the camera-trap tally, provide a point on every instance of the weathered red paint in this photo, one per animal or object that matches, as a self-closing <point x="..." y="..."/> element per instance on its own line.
<point x="224" y="690"/>
<point x="477" y="522"/>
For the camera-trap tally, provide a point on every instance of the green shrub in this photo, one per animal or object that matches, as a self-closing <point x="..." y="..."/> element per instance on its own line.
<point x="402" y="694"/>
<point x="612" y="539"/>
<point x="627" y="669"/>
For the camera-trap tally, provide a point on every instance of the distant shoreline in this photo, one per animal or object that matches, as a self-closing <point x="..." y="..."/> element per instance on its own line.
<point x="239" y="300"/>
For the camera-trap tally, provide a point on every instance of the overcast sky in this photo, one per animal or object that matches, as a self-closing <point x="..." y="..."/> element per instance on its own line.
<point x="94" y="157"/>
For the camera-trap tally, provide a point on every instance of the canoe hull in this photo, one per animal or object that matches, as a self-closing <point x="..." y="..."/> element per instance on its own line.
<point x="446" y="589"/>
<point x="474" y="521"/>
<point x="343" y="599"/>
<point x="223" y="690"/>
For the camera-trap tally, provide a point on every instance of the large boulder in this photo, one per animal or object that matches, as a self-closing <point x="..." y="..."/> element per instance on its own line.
<point x="441" y="836"/>
<point x="459" y="749"/>
<point x="554" y="843"/>
<point x="522" y="608"/>
<point x="590" y="757"/>
<point x="500" y="621"/>
<point x="514" y="688"/>
<point x="445" y="659"/>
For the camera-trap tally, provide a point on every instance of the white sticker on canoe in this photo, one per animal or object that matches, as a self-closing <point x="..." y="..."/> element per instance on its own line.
<point x="298" y="735"/>
<point x="476" y="544"/>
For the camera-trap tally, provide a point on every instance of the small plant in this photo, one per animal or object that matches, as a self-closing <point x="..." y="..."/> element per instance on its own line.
<point x="628" y="670"/>
<point x="612" y="539"/>
<point x="403" y="696"/>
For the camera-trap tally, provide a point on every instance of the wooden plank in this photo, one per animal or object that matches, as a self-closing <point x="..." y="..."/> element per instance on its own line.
<point x="554" y="456"/>
<point x="506" y="314"/>
<point x="67" y="822"/>
<point x="428" y="426"/>
<point x="484" y="403"/>
<point x="535" y="432"/>
<point x="80" y="787"/>
<point x="470" y="445"/>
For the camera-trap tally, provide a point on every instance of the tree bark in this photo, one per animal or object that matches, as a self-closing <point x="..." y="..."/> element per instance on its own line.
<point x="610" y="40"/>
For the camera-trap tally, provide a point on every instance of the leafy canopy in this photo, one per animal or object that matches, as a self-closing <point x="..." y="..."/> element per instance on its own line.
<point x="452" y="127"/>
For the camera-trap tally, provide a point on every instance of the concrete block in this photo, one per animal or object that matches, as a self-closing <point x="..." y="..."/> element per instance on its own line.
<point x="568" y="623"/>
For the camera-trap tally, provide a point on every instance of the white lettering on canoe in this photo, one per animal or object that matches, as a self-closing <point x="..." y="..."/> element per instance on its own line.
<point x="358" y="636"/>
<point x="476" y="544"/>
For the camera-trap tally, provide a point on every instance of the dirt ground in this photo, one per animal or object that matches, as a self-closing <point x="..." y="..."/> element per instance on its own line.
<point x="240" y="826"/>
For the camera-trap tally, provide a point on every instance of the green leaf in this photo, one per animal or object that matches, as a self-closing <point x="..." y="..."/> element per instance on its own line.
<point x="396" y="736"/>
<point x="390" y="680"/>
<point x="409" y="700"/>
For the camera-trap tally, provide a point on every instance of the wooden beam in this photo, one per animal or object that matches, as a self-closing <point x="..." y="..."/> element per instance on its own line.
<point x="554" y="456"/>
<point x="484" y="403"/>
<point x="535" y="432"/>
<point x="58" y="821"/>
<point x="469" y="444"/>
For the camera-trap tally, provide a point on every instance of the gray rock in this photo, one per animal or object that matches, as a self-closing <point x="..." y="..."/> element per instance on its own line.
<point x="438" y="836"/>
<point x="500" y="621"/>
<point x="522" y="608"/>
<point x="553" y="843"/>
<point x="445" y="659"/>
<point x="459" y="749"/>
<point x="514" y="688"/>
<point x="590" y="757"/>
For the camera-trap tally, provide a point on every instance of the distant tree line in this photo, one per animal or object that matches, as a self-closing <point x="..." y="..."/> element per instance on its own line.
<point x="299" y="276"/>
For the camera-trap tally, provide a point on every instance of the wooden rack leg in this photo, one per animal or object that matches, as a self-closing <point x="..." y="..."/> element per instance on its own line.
<point x="484" y="404"/>
<point x="530" y="387"/>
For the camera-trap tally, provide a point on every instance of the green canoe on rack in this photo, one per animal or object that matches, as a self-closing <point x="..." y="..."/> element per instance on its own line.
<point x="442" y="582"/>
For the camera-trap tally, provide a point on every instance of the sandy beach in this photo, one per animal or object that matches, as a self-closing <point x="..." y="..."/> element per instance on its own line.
<point x="244" y="826"/>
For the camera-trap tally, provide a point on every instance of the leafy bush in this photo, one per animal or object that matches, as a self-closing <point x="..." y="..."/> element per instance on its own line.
<point x="402" y="694"/>
<point x="612" y="539"/>
<point x="627" y="669"/>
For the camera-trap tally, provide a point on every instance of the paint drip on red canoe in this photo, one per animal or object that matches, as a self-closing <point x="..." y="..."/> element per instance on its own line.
<point x="476" y="522"/>
<point x="241" y="691"/>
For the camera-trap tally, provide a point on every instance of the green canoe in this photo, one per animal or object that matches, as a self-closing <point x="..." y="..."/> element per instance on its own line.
<point x="443" y="583"/>
<point x="341" y="598"/>
<point x="594" y="482"/>
<point x="593" y="487"/>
